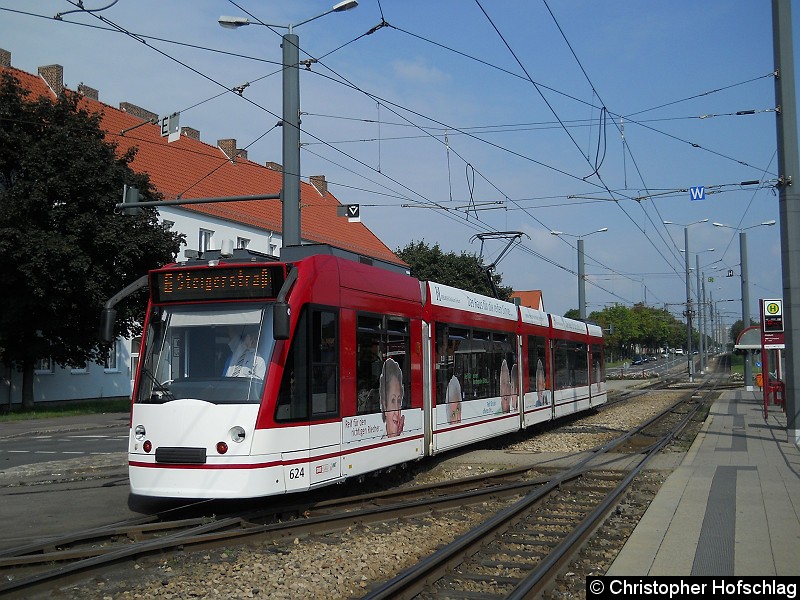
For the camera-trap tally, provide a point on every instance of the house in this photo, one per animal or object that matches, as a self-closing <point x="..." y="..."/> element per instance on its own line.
<point x="187" y="168"/>
<point x="530" y="299"/>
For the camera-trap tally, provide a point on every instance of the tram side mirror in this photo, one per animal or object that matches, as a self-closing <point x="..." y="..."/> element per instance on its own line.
<point x="107" y="318"/>
<point x="281" y="318"/>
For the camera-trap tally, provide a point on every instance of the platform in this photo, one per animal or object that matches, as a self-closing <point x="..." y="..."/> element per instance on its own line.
<point x="731" y="508"/>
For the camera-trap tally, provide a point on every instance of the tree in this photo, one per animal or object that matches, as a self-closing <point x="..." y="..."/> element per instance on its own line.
<point x="465" y="271"/>
<point x="737" y="328"/>
<point x="640" y="327"/>
<point x="65" y="248"/>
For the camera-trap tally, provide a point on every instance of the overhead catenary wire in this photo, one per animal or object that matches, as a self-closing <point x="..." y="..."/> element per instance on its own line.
<point x="550" y="107"/>
<point x="456" y="133"/>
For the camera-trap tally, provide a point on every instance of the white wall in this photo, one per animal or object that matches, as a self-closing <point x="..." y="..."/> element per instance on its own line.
<point x="190" y="223"/>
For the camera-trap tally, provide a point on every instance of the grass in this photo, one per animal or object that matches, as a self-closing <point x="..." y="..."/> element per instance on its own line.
<point x="737" y="364"/>
<point x="66" y="409"/>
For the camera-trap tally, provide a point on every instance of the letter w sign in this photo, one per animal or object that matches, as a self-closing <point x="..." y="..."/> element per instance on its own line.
<point x="698" y="192"/>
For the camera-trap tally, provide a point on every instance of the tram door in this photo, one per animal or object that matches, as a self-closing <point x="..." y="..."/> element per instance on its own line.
<point x="309" y="399"/>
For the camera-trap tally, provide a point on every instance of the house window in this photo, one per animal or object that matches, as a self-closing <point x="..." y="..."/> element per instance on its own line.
<point x="242" y="242"/>
<point x="204" y="243"/>
<point x="110" y="363"/>
<point x="44" y="366"/>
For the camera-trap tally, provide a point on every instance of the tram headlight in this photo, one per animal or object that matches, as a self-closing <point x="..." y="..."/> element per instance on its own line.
<point x="139" y="432"/>
<point x="237" y="434"/>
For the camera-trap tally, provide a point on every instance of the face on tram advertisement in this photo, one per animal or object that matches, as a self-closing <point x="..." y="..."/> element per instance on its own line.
<point x="391" y="397"/>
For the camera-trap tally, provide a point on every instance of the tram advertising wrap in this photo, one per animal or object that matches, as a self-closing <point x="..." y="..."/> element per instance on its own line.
<point x="258" y="377"/>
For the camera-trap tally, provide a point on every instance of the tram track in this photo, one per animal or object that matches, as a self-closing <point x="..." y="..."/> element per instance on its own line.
<point x="520" y="552"/>
<point x="151" y="537"/>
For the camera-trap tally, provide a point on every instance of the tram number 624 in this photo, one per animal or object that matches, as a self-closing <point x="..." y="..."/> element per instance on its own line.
<point x="296" y="473"/>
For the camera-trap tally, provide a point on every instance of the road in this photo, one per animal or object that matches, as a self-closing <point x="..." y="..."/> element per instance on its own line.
<point x="659" y="366"/>
<point x="44" y="440"/>
<point x="26" y="450"/>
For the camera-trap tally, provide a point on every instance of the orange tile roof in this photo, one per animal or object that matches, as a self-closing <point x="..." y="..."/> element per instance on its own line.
<point x="193" y="169"/>
<point x="531" y="299"/>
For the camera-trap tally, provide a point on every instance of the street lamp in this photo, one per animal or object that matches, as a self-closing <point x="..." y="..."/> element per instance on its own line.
<point x="688" y="293"/>
<point x="290" y="192"/>
<point x="701" y="304"/>
<point x="581" y="274"/>
<point x="748" y="361"/>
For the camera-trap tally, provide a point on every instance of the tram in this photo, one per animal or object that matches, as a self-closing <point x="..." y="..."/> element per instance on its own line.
<point x="260" y="377"/>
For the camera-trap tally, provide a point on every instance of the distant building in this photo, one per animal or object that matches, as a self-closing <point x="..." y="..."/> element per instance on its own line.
<point x="531" y="299"/>
<point x="186" y="168"/>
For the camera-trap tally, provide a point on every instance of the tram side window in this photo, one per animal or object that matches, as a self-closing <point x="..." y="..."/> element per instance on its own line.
<point x="452" y="360"/>
<point x="537" y="368"/>
<point x="379" y="339"/>
<point x="562" y="366"/>
<point x="571" y="364"/>
<point x="485" y="376"/>
<point x="445" y="363"/>
<point x="504" y="370"/>
<point x="309" y="383"/>
<point x="598" y="364"/>
<point x="324" y="361"/>
<point x="581" y="365"/>
<point x="476" y="359"/>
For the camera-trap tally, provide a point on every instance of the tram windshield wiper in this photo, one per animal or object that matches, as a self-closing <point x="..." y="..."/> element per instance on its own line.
<point x="161" y="392"/>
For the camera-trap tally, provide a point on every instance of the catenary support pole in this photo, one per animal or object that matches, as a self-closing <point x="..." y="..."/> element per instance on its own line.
<point x="748" y="356"/>
<point x="789" y="204"/>
<point x="291" y="140"/>
<point x="690" y="364"/>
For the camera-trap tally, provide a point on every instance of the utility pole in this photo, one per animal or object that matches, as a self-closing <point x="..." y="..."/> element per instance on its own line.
<point x="688" y="306"/>
<point x="699" y="314"/>
<point x="291" y="140"/>
<point x="748" y="356"/>
<point x="581" y="281"/>
<point x="788" y="203"/>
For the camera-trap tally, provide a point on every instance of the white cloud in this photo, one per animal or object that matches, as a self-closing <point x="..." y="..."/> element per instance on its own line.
<point x="418" y="71"/>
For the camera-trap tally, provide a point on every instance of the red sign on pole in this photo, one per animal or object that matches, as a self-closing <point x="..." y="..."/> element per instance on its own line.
<point x="771" y="339"/>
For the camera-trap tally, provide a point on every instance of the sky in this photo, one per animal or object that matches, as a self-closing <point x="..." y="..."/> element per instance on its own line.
<point x="460" y="118"/>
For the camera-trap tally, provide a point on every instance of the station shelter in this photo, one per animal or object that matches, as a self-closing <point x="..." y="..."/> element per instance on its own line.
<point x="767" y="338"/>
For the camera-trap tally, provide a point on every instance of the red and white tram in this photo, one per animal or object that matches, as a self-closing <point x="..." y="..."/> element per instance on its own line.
<point x="258" y="377"/>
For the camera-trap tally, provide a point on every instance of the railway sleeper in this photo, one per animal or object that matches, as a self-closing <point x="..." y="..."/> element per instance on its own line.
<point x="490" y="579"/>
<point x="521" y="566"/>
<point x="465" y="588"/>
<point x="531" y="553"/>
<point x="462" y="595"/>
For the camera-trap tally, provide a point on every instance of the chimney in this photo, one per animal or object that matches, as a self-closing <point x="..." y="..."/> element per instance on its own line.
<point x="89" y="92"/>
<point x="241" y="153"/>
<point x="138" y="111"/>
<point x="273" y="166"/>
<point x="53" y="76"/>
<point x="318" y="181"/>
<point x="228" y="146"/>
<point x="5" y="58"/>
<point x="191" y="133"/>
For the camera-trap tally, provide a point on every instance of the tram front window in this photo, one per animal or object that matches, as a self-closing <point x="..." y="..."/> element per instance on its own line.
<point x="205" y="353"/>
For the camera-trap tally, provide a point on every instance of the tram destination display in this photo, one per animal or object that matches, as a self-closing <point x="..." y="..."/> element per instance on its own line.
<point x="223" y="283"/>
